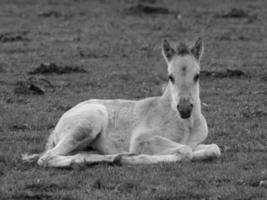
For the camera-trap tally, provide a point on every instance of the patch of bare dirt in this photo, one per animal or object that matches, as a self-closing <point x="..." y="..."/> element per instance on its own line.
<point x="92" y="55"/>
<point x="20" y="127"/>
<point x="27" y="88"/>
<point x="228" y="73"/>
<point x="148" y="7"/>
<point x="13" y="37"/>
<point x="42" y="187"/>
<point x="234" y="13"/>
<point x="32" y="85"/>
<point x="32" y="196"/>
<point x="50" y="13"/>
<point x="52" y="68"/>
<point x="232" y="37"/>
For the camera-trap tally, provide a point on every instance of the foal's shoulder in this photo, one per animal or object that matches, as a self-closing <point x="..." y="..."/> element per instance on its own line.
<point x="146" y="106"/>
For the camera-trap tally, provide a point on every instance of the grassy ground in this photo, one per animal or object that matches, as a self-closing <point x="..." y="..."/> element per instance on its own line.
<point x="120" y="50"/>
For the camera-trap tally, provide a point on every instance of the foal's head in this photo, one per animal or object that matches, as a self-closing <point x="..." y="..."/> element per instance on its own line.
<point x="183" y="71"/>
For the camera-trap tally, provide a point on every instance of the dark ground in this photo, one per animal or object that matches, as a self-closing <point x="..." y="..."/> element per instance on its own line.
<point x="119" y="48"/>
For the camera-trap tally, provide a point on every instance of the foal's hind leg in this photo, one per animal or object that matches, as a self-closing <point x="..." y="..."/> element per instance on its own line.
<point x="206" y="152"/>
<point x="76" y="139"/>
<point x="80" y="159"/>
<point x="75" y="133"/>
<point x="34" y="157"/>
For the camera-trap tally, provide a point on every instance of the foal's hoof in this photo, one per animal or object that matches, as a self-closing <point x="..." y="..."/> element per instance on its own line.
<point x="30" y="158"/>
<point x="216" y="152"/>
<point x="186" y="153"/>
<point x="42" y="162"/>
<point x="118" y="160"/>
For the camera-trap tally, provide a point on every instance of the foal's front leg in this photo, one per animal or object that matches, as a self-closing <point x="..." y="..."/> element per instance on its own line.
<point x="206" y="152"/>
<point x="150" y="148"/>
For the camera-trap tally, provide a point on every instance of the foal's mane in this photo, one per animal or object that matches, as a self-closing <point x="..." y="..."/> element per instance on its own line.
<point x="182" y="49"/>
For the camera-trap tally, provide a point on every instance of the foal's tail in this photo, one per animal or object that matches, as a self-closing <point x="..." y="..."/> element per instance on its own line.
<point x="30" y="158"/>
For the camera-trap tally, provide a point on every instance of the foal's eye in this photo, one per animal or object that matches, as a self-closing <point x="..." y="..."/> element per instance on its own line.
<point x="171" y="78"/>
<point x="196" y="77"/>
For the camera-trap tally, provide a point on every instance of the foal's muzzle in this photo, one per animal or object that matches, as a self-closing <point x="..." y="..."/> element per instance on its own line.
<point x="185" y="108"/>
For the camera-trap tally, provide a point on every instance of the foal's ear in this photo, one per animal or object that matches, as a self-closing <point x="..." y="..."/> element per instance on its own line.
<point x="197" y="49"/>
<point x="167" y="51"/>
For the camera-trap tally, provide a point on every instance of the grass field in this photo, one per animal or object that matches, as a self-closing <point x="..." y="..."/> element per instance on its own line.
<point x="120" y="50"/>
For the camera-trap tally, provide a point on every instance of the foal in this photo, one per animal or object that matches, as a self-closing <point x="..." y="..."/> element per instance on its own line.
<point x="168" y="128"/>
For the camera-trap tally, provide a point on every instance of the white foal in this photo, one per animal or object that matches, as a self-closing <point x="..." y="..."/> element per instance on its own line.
<point x="168" y="128"/>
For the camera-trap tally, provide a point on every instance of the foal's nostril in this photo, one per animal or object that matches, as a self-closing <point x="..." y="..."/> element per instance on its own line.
<point x="185" y="109"/>
<point x="179" y="107"/>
